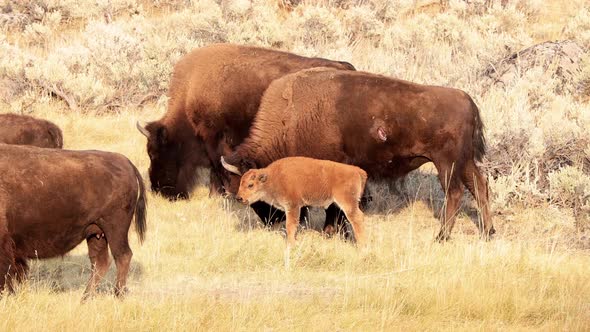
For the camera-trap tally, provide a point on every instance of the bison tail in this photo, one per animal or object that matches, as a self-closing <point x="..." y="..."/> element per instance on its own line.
<point x="140" y="207"/>
<point x="479" y="140"/>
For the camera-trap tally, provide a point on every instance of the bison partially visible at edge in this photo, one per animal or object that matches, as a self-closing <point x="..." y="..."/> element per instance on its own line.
<point x="386" y="126"/>
<point x="51" y="200"/>
<point x="27" y="130"/>
<point x="214" y="95"/>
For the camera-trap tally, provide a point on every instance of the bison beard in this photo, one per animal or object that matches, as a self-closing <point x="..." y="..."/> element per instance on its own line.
<point x="386" y="126"/>
<point x="214" y="95"/>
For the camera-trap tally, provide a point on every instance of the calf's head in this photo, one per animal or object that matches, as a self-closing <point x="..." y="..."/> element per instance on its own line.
<point x="252" y="186"/>
<point x="174" y="158"/>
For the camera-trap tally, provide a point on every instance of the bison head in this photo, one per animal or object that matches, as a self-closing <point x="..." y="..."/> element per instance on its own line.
<point x="252" y="186"/>
<point x="174" y="158"/>
<point x="235" y="166"/>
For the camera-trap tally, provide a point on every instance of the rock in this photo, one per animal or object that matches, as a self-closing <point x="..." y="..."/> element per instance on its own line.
<point x="560" y="60"/>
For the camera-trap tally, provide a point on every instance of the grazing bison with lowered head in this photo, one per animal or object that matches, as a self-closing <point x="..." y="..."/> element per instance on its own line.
<point x="51" y="200"/>
<point x="27" y="130"/>
<point x="285" y="183"/>
<point x="386" y="126"/>
<point x="214" y="95"/>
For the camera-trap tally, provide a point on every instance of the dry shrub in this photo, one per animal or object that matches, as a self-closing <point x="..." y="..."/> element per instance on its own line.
<point x="578" y="28"/>
<point x="361" y="22"/>
<point x="124" y="55"/>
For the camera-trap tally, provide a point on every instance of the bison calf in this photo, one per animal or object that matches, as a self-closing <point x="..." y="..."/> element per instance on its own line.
<point x="27" y="130"/>
<point x="51" y="200"/>
<point x="294" y="182"/>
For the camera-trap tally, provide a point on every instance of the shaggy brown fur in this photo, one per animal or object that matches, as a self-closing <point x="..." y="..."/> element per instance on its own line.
<point x="214" y="95"/>
<point x="285" y="184"/>
<point x="386" y="126"/>
<point x="27" y="130"/>
<point x="51" y="200"/>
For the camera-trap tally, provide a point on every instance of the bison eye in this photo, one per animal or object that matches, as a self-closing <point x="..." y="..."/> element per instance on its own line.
<point x="251" y="185"/>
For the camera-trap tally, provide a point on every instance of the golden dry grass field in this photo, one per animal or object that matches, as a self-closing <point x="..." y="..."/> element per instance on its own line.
<point x="96" y="67"/>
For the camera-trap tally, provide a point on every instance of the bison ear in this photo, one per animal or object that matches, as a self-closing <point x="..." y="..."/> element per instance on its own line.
<point x="262" y="177"/>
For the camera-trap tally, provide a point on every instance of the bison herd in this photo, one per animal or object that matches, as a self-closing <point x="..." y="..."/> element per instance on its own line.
<point x="288" y="123"/>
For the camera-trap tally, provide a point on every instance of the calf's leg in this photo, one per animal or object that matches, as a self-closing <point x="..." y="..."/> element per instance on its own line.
<point x="292" y="223"/>
<point x="348" y="200"/>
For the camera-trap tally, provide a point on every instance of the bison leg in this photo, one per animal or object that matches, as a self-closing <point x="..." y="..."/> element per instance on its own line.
<point x="215" y="184"/>
<point x="267" y="213"/>
<point x="212" y="146"/>
<point x="335" y="220"/>
<point x="478" y="187"/>
<point x="116" y="229"/>
<point x="98" y="251"/>
<point x="453" y="189"/>
<point x="7" y="263"/>
<point x="21" y="269"/>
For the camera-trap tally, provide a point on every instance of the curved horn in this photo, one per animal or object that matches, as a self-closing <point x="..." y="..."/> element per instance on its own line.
<point x="141" y="127"/>
<point x="230" y="168"/>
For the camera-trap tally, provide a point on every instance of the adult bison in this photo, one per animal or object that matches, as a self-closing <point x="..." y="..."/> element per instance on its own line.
<point x="51" y="200"/>
<point x="386" y="126"/>
<point x="214" y="95"/>
<point x="27" y="130"/>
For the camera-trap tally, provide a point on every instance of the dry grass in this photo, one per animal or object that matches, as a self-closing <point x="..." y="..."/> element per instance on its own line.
<point x="207" y="265"/>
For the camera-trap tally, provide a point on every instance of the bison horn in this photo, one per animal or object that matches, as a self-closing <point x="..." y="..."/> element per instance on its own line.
<point x="141" y="126"/>
<point x="230" y="168"/>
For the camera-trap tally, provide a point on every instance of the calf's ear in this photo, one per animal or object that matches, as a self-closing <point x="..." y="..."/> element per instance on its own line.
<point x="262" y="177"/>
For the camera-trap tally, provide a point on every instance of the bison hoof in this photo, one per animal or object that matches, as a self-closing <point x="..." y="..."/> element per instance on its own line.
<point x="329" y="230"/>
<point x="442" y="237"/>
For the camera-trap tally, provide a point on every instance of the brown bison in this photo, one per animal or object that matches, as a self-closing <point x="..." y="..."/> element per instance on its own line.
<point x="285" y="183"/>
<point x="51" y="200"/>
<point x="27" y="130"/>
<point x="386" y="126"/>
<point x="214" y="95"/>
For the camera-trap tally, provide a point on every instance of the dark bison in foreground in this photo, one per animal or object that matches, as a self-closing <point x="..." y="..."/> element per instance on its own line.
<point x="27" y="130"/>
<point x="386" y="126"/>
<point x="214" y="95"/>
<point x="51" y="200"/>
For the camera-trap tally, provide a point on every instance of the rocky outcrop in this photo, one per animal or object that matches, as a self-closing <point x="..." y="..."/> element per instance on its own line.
<point x="560" y="62"/>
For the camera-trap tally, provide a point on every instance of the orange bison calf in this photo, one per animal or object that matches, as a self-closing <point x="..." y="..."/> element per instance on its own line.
<point x="51" y="200"/>
<point x="294" y="182"/>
